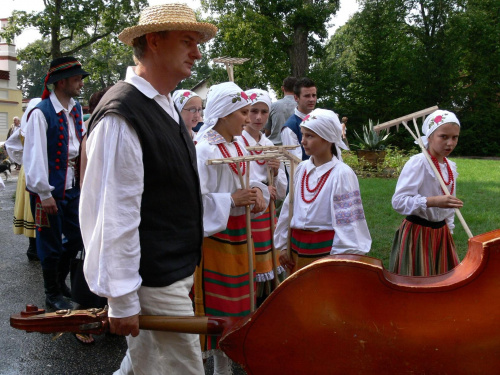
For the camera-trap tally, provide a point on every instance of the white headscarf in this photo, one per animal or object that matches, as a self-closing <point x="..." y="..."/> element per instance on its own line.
<point x="434" y="121"/>
<point x="326" y="124"/>
<point x="222" y="100"/>
<point x="259" y="96"/>
<point x="181" y="97"/>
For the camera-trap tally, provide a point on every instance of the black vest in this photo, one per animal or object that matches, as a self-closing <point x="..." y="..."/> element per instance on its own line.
<point x="171" y="228"/>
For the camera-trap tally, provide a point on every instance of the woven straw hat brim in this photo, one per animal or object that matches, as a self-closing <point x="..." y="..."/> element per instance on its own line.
<point x="167" y="17"/>
<point x="207" y="30"/>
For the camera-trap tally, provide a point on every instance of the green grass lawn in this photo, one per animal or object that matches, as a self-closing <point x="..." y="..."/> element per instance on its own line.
<point x="478" y="186"/>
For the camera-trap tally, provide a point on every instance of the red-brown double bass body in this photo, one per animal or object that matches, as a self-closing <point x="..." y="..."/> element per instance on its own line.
<point x="347" y="315"/>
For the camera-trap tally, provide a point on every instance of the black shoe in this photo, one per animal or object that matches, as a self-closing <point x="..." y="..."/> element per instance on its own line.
<point x="31" y="252"/>
<point x="53" y="296"/>
<point x="57" y="302"/>
<point x="65" y="291"/>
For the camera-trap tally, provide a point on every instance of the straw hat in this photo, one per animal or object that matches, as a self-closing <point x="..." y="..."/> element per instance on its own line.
<point x="167" y="17"/>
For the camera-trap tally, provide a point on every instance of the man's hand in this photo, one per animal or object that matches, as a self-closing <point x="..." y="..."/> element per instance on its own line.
<point x="125" y="326"/>
<point x="49" y="206"/>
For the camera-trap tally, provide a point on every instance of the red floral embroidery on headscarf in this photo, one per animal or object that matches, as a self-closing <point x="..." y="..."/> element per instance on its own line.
<point x="438" y="119"/>
<point x="305" y="118"/>
<point x="253" y="96"/>
<point x="186" y="93"/>
<point x="244" y="96"/>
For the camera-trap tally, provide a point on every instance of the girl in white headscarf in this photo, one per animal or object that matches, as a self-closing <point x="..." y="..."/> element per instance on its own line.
<point x="189" y="105"/>
<point x="222" y="279"/>
<point x="328" y="216"/>
<point x="423" y="244"/>
<point x="252" y="136"/>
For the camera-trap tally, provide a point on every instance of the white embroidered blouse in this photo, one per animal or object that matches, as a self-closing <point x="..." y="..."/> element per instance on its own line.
<point x="337" y="206"/>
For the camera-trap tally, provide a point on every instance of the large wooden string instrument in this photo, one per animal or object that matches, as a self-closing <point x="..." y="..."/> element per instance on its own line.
<point x="346" y="314"/>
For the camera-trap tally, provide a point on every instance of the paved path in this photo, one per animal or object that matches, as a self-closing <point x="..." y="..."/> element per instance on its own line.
<point x="21" y="283"/>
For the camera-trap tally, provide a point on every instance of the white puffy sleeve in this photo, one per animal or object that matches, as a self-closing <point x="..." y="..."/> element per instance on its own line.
<point x="406" y="199"/>
<point x="14" y="147"/>
<point x="216" y="206"/>
<point x="35" y="158"/>
<point x="110" y="214"/>
<point x="351" y="230"/>
<point x="281" y="230"/>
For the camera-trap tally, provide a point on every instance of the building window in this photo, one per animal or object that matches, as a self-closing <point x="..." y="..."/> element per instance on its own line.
<point x="4" y="125"/>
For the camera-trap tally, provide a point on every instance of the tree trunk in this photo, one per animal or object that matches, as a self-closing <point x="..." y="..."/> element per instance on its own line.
<point x="299" y="52"/>
<point x="55" y="30"/>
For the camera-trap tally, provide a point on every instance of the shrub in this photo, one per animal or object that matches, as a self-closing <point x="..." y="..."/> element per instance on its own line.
<point x="391" y="167"/>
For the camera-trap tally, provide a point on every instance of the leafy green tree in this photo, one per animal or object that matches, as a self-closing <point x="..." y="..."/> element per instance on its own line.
<point x="279" y="36"/>
<point x="476" y="93"/>
<point x="63" y="21"/>
<point x="32" y="71"/>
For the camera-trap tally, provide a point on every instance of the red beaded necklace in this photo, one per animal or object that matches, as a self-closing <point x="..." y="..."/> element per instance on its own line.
<point x="224" y="151"/>
<point x="451" y="179"/>
<point x="317" y="189"/>
<point x="254" y="152"/>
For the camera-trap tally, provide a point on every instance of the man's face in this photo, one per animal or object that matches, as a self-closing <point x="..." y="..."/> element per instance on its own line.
<point x="307" y="100"/>
<point x="178" y="50"/>
<point x="71" y="87"/>
<point x="16" y="121"/>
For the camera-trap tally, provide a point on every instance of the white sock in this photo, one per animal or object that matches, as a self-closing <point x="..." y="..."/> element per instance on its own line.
<point x="221" y="364"/>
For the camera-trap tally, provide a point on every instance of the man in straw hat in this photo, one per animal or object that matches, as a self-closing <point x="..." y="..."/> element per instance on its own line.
<point x="141" y="210"/>
<point x="52" y="141"/>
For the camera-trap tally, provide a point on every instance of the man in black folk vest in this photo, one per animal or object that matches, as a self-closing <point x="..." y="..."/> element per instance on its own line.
<point x="51" y="147"/>
<point x="141" y="209"/>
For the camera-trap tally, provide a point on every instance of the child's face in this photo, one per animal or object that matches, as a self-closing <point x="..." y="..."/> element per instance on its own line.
<point x="444" y="140"/>
<point x="237" y="120"/>
<point x="192" y="119"/>
<point x="313" y="144"/>
<point x="259" y="113"/>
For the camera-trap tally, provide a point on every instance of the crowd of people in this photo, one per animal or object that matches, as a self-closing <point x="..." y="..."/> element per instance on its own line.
<point x="164" y="232"/>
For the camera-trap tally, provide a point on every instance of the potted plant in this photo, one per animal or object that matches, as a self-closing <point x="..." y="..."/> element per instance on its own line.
<point x="372" y="144"/>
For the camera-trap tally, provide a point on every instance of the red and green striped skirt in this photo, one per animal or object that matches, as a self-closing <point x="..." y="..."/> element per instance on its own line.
<point x="420" y="250"/>
<point x="262" y="241"/>
<point x="308" y="246"/>
<point x="222" y="285"/>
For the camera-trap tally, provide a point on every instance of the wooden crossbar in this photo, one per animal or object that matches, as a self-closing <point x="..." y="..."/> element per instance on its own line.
<point x="400" y="120"/>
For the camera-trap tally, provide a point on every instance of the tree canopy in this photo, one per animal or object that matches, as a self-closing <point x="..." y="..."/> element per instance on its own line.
<point x="279" y="36"/>
<point x="64" y="21"/>
<point x="393" y="57"/>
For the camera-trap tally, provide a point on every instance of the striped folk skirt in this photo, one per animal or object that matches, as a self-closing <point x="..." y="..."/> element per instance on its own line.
<point x="262" y="241"/>
<point x="308" y="246"/>
<point x="222" y="285"/>
<point x="420" y="250"/>
<point x="23" y="222"/>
